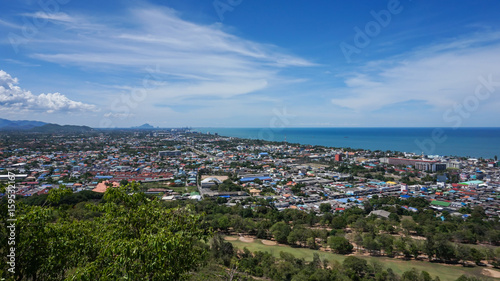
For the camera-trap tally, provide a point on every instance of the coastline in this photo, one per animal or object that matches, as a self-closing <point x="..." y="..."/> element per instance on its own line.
<point x="477" y="142"/>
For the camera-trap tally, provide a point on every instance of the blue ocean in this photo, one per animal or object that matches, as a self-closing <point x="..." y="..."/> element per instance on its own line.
<point x="467" y="142"/>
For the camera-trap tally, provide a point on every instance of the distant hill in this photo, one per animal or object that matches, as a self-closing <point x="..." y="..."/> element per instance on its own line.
<point x="144" y="126"/>
<point x="54" y="128"/>
<point x="19" y="125"/>
<point x="39" y="127"/>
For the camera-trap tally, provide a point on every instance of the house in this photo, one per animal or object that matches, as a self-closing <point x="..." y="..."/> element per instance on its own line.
<point x="209" y="182"/>
<point x="380" y="213"/>
<point x="255" y="192"/>
<point x="102" y="186"/>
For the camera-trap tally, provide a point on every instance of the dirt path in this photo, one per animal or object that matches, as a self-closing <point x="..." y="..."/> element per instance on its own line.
<point x="269" y="242"/>
<point x="246" y="239"/>
<point x="230" y="238"/>
<point x="491" y="273"/>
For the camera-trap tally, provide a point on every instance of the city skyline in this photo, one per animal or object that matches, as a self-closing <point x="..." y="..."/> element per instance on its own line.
<point x="251" y="63"/>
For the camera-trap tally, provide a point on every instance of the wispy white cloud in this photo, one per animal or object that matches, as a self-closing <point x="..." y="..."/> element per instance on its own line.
<point x="62" y="17"/>
<point x="190" y="59"/>
<point x="440" y="75"/>
<point x="9" y="24"/>
<point x="22" y="63"/>
<point x="12" y="98"/>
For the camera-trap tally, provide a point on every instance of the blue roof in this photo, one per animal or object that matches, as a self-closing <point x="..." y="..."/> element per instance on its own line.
<point x="405" y="196"/>
<point x="345" y="200"/>
<point x="104" y="177"/>
<point x="250" y="179"/>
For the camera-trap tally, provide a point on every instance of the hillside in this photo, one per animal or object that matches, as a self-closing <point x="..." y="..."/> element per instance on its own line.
<point x="6" y="125"/>
<point x="53" y="128"/>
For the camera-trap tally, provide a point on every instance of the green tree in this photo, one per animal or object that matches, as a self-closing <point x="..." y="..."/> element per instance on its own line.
<point x="408" y="225"/>
<point x="221" y="249"/>
<point x="340" y="245"/>
<point x="325" y="207"/>
<point x="410" y="275"/>
<point x="476" y="255"/>
<point x="133" y="238"/>
<point x="56" y="194"/>
<point x="371" y="244"/>
<point x="462" y="252"/>
<point x="280" y="232"/>
<point x="356" y="267"/>
<point x="386" y="242"/>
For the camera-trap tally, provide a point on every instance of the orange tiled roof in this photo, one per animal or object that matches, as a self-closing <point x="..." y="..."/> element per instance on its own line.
<point x="101" y="187"/>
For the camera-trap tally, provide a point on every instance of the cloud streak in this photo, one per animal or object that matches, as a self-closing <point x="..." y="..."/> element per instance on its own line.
<point x="194" y="59"/>
<point x="440" y="75"/>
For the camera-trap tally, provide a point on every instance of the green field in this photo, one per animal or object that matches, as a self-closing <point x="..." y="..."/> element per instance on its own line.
<point x="445" y="272"/>
<point x="184" y="189"/>
<point x="179" y="189"/>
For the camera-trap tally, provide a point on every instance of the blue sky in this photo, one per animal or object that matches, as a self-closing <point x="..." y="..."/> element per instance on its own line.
<point x="242" y="63"/>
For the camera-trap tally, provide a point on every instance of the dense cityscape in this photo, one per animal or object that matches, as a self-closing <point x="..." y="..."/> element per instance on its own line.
<point x="290" y="175"/>
<point x="249" y="140"/>
<point x="390" y="204"/>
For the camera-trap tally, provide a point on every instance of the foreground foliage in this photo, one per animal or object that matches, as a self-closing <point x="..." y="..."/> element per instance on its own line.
<point x="130" y="237"/>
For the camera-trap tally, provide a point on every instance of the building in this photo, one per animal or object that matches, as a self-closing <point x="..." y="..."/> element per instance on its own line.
<point x="255" y="192"/>
<point x="338" y="157"/>
<point x="209" y="182"/>
<point x="380" y="214"/>
<point x="169" y="153"/>
<point x="454" y="164"/>
<point x="423" y="165"/>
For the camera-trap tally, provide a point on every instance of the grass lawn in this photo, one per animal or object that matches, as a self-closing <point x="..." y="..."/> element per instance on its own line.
<point x="179" y="189"/>
<point x="184" y="189"/>
<point x="445" y="272"/>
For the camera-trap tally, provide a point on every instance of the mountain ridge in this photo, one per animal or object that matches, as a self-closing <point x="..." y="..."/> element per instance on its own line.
<point x="39" y="126"/>
<point x="6" y="124"/>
